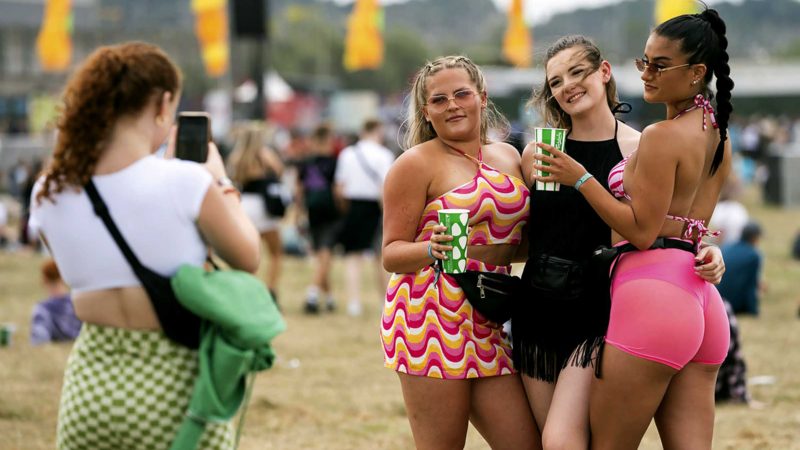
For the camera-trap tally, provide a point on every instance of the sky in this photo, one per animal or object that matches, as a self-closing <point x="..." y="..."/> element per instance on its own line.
<point x="538" y="11"/>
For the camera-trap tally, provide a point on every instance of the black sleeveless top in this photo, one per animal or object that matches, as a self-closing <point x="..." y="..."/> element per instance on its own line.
<point x="562" y="223"/>
<point x="553" y="327"/>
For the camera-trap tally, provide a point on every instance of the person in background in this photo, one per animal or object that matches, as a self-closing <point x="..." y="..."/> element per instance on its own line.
<point x="54" y="319"/>
<point x="732" y="377"/>
<point x="360" y="172"/>
<point x="315" y="194"/>
<point x="668" y="332"/>
<point x="257" y="169"/>
<point x="730" y="216"/>
<point x="27" y="235"/>
<point x="4" y="240"/>
<point x="741" y="283"/>
<point x="454" y="364"/>
<point x="126" y="385"/>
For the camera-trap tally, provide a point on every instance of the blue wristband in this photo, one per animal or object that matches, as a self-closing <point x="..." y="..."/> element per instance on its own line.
<point x="582" y="180"/>
<point x="430" y="250"/>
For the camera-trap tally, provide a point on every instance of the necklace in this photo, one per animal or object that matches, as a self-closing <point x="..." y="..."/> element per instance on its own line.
<point x="462" y="152"/>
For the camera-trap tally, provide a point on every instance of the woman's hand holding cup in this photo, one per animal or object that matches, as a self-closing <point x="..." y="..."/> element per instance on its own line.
<point x="437" y="244"/>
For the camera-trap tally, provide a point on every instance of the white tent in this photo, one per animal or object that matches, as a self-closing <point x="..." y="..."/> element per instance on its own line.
<point x="276" y="89"/>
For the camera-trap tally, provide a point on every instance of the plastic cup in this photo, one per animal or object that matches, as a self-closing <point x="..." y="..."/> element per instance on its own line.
<point x="556" y="138"/>
<point x="6" y="330"/>
<point x="456" y="221"/>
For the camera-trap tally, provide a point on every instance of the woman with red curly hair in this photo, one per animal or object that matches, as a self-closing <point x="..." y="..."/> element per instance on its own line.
<point x="126" y="384"/>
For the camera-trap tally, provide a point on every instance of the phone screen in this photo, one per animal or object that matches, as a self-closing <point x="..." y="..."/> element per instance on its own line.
<point x="193" y="136"/>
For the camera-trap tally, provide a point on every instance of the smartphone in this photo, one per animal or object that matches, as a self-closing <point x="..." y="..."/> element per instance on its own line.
<point x="194" y="134"/>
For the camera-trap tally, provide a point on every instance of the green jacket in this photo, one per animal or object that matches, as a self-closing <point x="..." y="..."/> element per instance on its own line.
<point x="241" y="319"/>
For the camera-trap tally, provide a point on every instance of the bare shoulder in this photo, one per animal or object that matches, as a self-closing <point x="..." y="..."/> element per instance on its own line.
<point x="666" y="137"/>
<point x="504" y="149"/>
<point x="504" y="157"/>
<point x="628" y="139"/>
<point x="529" y="150"/>
<point x="415" y="161"/>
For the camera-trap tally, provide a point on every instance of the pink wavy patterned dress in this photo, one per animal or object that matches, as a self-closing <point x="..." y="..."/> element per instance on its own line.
<point x="428" y="327"/>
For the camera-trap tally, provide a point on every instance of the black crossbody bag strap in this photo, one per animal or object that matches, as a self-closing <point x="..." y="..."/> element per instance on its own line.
<point x="177" y="322"/>
<point x="101" y="210"/>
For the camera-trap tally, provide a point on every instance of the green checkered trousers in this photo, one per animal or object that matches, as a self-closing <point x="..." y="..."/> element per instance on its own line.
<point x="129" y="389"/>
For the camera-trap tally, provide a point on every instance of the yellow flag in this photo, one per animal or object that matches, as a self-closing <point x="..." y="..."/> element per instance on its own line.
<point x="363" y="45"/>
<point x="211" y="28"/>
<point x="53" y="44"/>
<point x="667" y="9"/>
<point x="517" y="42"/>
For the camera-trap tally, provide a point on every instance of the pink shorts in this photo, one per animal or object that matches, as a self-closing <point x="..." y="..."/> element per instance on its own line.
<point x="661" y="311"/>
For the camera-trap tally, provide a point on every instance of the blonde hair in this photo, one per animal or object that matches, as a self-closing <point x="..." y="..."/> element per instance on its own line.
<point x="418" y="129"/>
<point x="246" y="157"/>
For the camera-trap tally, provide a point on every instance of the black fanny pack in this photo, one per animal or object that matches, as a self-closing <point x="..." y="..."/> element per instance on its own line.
<point x="492" y="294"/>
<point x="604" y="256"/>
<point x="556" y="277"/>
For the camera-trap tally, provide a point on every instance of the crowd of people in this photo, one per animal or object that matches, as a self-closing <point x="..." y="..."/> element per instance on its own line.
<point x="601" y="342"/>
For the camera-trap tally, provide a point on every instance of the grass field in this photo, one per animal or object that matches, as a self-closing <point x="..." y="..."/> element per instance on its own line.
<point x="329" y="390"/>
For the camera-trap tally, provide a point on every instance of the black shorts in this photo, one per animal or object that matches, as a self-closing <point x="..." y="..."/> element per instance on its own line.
<point x="324" y="235"/>
<point x="361" y="224"/>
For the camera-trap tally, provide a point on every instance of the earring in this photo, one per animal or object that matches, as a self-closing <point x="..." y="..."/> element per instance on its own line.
<point x="694" y="82"/>
<point x="160" y="121"/>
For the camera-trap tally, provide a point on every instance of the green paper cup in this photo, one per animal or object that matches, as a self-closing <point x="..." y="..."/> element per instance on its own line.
<point x="556" y="138"/>
<point x="6" y="331"/>
<point x="456" y="221"/>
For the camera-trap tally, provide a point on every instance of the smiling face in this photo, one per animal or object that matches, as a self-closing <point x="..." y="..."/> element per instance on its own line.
<point x="576" y="85"/>
<point x="673" y="85"/>
<point x="460" y="117"/>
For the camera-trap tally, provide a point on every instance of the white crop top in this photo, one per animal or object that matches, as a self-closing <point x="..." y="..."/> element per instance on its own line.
<point x="155" y="204"/>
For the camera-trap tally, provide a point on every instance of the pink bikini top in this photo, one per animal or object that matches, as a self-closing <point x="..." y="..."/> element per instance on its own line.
<point x="617" y="185"/>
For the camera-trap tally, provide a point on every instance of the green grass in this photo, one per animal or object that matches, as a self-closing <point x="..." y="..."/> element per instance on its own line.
<point x="329" y="390"/>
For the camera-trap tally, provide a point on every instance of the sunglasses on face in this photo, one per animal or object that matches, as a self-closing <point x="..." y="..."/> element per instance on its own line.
<point x="643" y="65"/>
<point x="440" y="103"/>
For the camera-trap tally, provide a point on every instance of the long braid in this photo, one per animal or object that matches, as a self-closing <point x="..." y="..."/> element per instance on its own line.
<point x="724" y="84"/>
<point x="703" y="39"/>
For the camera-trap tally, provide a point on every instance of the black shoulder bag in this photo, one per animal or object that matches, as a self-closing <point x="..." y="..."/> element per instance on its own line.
<point x="178" y="323"/>
<point x="492" y="294"/>
<point x="271" y="191"/>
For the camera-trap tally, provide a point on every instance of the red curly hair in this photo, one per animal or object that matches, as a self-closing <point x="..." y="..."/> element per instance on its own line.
<point x="114" y="82"/>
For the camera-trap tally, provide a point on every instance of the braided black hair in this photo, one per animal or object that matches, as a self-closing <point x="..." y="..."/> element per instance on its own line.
<point x="703" y="38"/>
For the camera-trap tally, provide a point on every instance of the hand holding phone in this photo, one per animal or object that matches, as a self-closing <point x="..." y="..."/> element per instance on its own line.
<point x="193" y="136"/>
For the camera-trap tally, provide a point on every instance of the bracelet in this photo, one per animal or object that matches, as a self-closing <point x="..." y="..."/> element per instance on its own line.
<point x="582" y="180"/>
<point x="430" y="250"/>
<point x="232" y="190"/>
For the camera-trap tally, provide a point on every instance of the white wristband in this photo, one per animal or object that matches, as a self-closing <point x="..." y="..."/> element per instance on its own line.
<point x="582" y="180"/>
